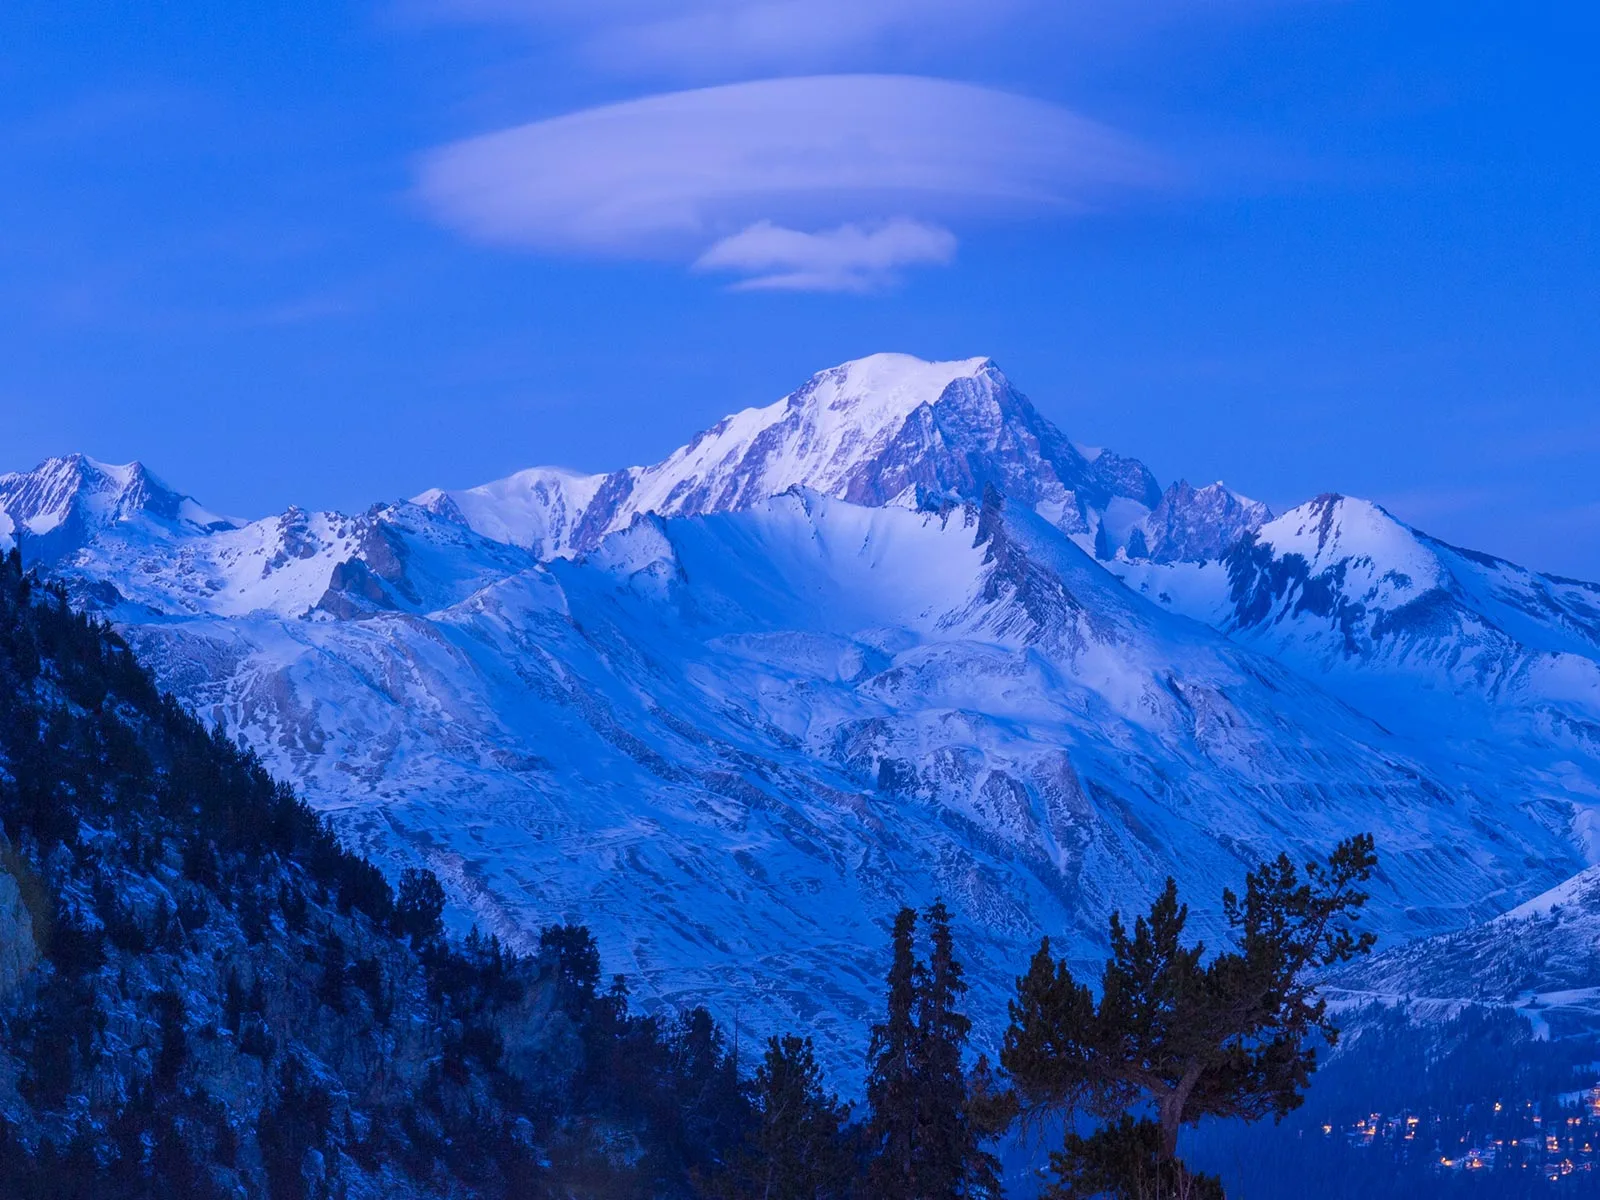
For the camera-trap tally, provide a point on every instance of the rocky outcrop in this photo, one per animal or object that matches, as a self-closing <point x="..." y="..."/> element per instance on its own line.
<point x="1197" y="524"/>
<point x="56" y="508"/>
<point x="19" y="952"/>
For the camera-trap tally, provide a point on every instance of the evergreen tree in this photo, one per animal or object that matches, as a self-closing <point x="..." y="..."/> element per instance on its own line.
<point x="293" y="1133"/>
<point x="798" y="1148"/>
<point x="1231" y="1037"/>
<point x="419" y="905"/>
<point x="707" y="1100"/>
<point x="925" y="1142"/>
<point x="952" y="1161"/>
<point x="891" y="1073"/>
<point x="571" y="951"/>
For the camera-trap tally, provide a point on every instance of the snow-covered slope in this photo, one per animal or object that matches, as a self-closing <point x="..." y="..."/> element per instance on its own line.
<point x="1386" y="590"/>
<point x="853" y="650"/>
<point x="60" y="505"/>
<point x="1541" y="958"/>
<point x="885" y="429"/>
<point x="539" y="509"/>
<point x="735" y="743"/>
<point x="1494" y="667"/>
<point x="1342" y="580"/>
<point x="398" y="558"/>
<point x="1491" y="662"/>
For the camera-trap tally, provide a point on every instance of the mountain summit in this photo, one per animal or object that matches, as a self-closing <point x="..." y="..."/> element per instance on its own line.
<point x="887" y="429"/>
<point x="62" y="503"/>
<point x="892" y="637"/>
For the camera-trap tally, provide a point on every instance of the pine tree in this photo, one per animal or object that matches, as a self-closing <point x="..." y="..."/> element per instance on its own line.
<point x="951" y="1158"/>
<point x="571" y="951"/>
<point x="892" y="1074"/>
<point x="707" y="1099"/>
<point x="798" y="1149"/>
<point x="926" y="1144"/>
<point x="1232" y="1037"/>
<point x="419" y="905"/>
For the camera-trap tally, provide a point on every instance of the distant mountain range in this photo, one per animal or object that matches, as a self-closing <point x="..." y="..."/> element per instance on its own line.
<point x="892" y="637"/>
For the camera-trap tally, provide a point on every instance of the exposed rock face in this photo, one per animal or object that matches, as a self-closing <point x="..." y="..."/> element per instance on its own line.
<point x="56" y="508"/>
<point x="18" y="950"/>
<point x="1193" y="525"/>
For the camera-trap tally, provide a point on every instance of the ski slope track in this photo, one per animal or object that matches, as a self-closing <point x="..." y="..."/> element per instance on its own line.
<point x="891" y="638"/>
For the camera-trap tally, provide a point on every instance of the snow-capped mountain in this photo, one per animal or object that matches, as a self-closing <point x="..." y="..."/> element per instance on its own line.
<point x="1496" y="665"/>
<point x="1541" y="958"/>
<point x="540" y="509"/>
<point x="767" y="729"/>
<point x="862" y="647"/>
<point x="1393" y="592"/>
<point x="1340" y="581"/>
<point x="392" y="558"/>
<point x="889" y="429"/>
<point x="59" y="506"/>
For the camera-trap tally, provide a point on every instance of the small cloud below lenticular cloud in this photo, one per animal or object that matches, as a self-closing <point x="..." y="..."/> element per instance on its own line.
<point x="851" y="258"/>
<point x="732" y="177"/>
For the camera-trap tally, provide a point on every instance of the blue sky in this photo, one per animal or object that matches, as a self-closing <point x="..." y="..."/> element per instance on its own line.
<point x="328" y="254"/>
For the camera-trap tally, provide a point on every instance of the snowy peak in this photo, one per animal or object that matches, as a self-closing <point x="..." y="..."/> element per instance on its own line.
<point x="393" y="558"/>
<point x="1340" y="589"/>
<point x="1344" y="568"/>
<point x="828" y="436"/>
<point x="867" y="400"/>
<point x="538" y="509"/>
<point x="1334" y="528"/>
<point x="44" y="498"/>
<point x="892" y="428"/>
<point x="887" y="429"/>
<point x="54" y="509"/>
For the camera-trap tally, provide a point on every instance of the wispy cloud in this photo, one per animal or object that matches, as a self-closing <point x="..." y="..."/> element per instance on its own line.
<point x="708" y="38"/>
<point x="851" y="258"/>
<point x="682" y="174"/>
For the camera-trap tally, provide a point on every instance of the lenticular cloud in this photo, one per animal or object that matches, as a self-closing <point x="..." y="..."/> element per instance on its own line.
<point x="679" y="173"/>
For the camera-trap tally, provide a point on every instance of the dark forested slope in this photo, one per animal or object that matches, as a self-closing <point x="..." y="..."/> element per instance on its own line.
<point x="203" y="994"/>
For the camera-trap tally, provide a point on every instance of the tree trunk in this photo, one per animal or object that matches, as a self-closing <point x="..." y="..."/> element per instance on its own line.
<point x="1171" y="1113"/>
<point x="1170" y="1108"/>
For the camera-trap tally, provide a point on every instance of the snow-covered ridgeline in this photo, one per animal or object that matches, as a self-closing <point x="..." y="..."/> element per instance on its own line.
<point x="812" y="665"/>
<point x="882" y="430"/>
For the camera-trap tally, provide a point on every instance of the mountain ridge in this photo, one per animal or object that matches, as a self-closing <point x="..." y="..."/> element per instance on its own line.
<point x="884" y="429"/>
<point x="900" y="682"/>
<point x="57" y="507"/>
